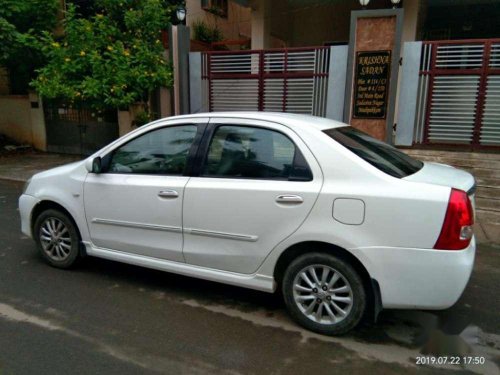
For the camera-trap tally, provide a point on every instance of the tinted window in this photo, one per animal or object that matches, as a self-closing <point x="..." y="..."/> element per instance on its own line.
<point x="246" y="152"/>
<point x="379" y="154"/>
<point x="162" y="151"/>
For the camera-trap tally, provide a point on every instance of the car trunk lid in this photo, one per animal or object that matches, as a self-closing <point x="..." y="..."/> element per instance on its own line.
<point x="445" y="175"/>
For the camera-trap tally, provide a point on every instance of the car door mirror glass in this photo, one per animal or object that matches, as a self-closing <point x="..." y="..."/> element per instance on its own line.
<point x="96" y="165"/>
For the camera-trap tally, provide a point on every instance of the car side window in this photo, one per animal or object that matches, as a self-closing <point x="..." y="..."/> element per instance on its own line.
<point x="252" y="152"/>
<point x="163" y="151"/>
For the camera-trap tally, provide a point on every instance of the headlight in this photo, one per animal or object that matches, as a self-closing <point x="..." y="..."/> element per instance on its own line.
<point x="26" y="184"/>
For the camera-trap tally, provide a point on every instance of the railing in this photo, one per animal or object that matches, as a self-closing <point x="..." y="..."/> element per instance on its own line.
<point x="284" y="80"/>
<point x="459" y="93"/>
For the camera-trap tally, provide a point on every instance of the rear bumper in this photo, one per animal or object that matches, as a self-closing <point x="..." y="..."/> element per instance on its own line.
<point x="419" y="278"/>
<point x="26" y="205"/>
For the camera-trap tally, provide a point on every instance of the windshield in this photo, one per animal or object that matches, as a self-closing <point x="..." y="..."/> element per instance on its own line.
<point x="379" y="154"/>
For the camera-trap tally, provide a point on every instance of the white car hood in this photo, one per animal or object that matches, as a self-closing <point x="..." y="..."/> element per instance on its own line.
<point x="60" y="170"/>
<point x="442" y="174"/>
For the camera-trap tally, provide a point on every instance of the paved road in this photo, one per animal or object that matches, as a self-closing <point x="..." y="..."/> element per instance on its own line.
<point x="106" y="317"/>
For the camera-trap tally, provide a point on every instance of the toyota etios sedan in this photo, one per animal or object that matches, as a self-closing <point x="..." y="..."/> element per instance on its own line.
<point x="342" y="223"/>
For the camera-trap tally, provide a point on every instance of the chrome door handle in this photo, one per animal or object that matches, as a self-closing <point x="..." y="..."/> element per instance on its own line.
<point x="168" y="194"/>
<point x="287" y="198"/>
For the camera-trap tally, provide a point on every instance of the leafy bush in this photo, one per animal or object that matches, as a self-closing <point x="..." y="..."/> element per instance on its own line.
<point x="206" y="33"/>
<point x="21" y="23"/>
<point x="142" y="118"/>
<point x="111" y="59"/>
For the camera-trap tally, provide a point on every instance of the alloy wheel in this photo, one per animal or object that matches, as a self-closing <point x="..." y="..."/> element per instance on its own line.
<point x="55" y="239"/>
<point x="322" y="294"/>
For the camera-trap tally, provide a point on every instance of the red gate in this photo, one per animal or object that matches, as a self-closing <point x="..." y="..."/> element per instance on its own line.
<point x="282" y="80"/>
<point x="459" y="93"/>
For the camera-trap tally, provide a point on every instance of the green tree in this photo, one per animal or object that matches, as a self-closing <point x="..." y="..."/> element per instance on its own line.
<point x="21" y="23"/>
<point x="110" y="59"/>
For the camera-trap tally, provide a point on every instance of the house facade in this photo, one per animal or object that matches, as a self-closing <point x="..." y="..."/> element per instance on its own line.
<point x="300" y="23"/>
<point x="447" y="60"/>
<point x="447" y="68"/>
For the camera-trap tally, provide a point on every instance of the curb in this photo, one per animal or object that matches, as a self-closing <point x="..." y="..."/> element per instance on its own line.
<point x="12" y="179"/>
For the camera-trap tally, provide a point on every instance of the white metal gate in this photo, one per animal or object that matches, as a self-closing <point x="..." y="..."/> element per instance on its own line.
<point x="459" y="93"/>
<point x="283" y="80"/>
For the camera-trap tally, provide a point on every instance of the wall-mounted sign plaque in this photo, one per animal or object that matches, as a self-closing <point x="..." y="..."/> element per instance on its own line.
<point x="371" y="84"/>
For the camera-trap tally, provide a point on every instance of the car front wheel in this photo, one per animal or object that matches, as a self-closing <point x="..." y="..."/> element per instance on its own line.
<point x="324" y="294"/>
<point x="57" y="238"/>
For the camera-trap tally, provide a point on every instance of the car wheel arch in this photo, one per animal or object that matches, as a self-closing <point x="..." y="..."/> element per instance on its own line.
<point x="45" y="205"/>
<point x="371" y="285"/>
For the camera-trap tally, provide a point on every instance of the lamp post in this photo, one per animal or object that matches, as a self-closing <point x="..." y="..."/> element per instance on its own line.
<point x="179" y="50"/>
<point x="364" y="3"/>
<point x="181" y="14"/>
<point x="395" y="3"/>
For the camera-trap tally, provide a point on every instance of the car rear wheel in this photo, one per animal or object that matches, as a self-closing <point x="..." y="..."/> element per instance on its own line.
<point x="324" y="293"/>
<point x="57" y="238"/>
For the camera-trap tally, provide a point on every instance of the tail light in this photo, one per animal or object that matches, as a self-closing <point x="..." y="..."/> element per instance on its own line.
<point x="456" y="233"/>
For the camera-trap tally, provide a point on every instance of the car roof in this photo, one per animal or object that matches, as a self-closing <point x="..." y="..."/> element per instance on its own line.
<point x="290" y="119"/>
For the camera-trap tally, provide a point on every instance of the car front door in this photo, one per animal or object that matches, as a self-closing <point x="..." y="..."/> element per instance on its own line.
<point x="255" y="185"/>
<point x="135" y="204"/>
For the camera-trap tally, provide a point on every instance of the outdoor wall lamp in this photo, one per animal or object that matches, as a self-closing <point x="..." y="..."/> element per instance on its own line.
<point x="395" y="3"/>
<point x="364" y="3"/>
<point x="181" y="14"/>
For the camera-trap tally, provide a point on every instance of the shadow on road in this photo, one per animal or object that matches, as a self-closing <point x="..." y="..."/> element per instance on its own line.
<point x="451" y="332"/>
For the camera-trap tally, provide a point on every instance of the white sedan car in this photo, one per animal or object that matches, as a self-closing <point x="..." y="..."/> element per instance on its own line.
<point x="343" y="224"/>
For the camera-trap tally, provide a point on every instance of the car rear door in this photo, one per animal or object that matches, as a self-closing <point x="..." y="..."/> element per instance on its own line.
<point x="135" y="204"/>
<point x="256" y="183"/>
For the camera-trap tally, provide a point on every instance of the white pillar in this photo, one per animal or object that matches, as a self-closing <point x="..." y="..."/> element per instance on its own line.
<point x="124" y="122"/>
<point x="408" y="91"/>
<point x="261" y="28"/>
<point x="174" y="48"/>
<point x="165" y="102"/>
<point x="179" y="44"/>
<point x="337" y="77"/>
<point x="37" y="122"/>
<point x="410" y="20"/>
<point x="197" y="99"/>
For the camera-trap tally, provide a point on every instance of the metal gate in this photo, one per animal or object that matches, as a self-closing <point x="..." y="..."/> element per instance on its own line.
<point x="78" y="130"/>
<point x="459" y="93"/>
<point x="282" y="80"/>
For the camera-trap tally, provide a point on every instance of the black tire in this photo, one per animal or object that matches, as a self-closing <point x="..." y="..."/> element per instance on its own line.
<point x="353" y="310"/>
<point x="71" y="234"/>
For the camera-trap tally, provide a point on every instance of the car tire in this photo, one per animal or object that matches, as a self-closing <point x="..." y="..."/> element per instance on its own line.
<point x="57" y="238"/>
<point x="317" y="279"/>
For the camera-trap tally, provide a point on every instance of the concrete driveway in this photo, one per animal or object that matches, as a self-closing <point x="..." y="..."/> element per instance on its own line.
<point x="21" y="166"/>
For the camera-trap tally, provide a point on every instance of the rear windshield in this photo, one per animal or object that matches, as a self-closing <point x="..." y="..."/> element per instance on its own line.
<point x="379" y="154"/>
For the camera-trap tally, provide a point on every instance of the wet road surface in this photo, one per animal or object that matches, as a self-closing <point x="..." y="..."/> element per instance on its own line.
<point x="106" y="317"/>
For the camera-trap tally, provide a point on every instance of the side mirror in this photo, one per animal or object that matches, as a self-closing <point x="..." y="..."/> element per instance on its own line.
<point x="94" y="165"/>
